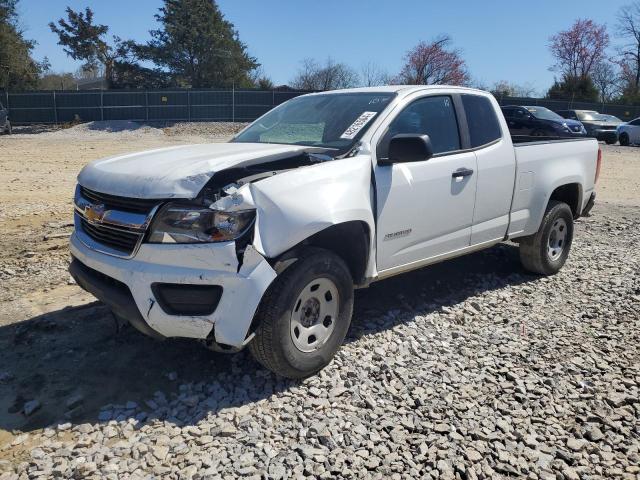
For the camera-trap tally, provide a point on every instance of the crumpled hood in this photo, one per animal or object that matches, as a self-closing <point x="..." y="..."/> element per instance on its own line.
<point x="175" y="172"/>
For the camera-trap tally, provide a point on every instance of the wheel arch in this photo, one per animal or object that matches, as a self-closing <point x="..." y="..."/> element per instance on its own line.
<point x="350" y="240"/>
<point x="569" y="193"/>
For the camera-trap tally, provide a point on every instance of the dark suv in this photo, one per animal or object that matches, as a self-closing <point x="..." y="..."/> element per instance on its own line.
<point x="5" y="124"/>
<point x="540" y="122"/>
<point x="602" y="127"/>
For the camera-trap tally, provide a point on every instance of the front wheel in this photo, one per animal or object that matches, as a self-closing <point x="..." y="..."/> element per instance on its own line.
<point x="624" y="140"/>
<point x="546" y="251"/>
<point x="304" y="315"/>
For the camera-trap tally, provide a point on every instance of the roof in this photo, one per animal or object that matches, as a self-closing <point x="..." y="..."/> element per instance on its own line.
<point x="406" y="89"/>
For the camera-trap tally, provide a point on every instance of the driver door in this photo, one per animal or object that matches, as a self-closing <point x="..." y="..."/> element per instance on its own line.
<point x="425" y="208"/>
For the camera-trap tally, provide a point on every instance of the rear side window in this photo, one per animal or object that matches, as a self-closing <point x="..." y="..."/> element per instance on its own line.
<point x="434" y="116"/>
<point x="483" y="123"/>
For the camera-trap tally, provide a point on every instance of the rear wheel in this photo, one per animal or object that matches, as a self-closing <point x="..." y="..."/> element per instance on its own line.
<point x="624" y="139"/>
<point x="547" y="250"/>
<point x="304" y="315"/>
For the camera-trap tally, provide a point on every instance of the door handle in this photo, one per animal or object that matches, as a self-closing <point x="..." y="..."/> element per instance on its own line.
<point x="462" y="172"/>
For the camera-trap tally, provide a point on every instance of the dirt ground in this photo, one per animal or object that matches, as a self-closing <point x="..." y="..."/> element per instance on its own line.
<point x="36" y="187"/>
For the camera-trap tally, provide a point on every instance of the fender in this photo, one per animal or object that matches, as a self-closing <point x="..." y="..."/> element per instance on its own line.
<point x="294" y="205"/>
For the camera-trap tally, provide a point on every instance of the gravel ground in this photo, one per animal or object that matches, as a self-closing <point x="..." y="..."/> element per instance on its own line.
<point x="467" y="369"/>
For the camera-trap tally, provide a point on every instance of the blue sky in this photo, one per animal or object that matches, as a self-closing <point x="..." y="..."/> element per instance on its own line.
<point x="500" y="39"/>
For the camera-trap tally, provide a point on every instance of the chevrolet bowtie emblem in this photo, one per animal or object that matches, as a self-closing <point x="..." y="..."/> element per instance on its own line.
<point x="94" y="213"/>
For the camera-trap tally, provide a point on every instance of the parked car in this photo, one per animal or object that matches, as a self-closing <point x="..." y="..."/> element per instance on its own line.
<point x="600" y="126"/>
<point x="540" y="122"/>
<point x="629" y="133"/>
<point x="5" y="124"/>
<point x="260" y="242"/>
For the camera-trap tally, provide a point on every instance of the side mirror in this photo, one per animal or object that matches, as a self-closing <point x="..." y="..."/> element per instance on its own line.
<point x="408" y="147"/>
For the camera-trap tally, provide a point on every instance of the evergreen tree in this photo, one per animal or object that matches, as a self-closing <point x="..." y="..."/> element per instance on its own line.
<point x="18" y="70"/>
<point x="572" y="88"/>
<point x="85" y="40"/>
<point x="198" y="47"/>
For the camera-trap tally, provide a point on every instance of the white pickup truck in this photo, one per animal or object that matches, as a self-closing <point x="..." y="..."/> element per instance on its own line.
<point x="261" y="241"/>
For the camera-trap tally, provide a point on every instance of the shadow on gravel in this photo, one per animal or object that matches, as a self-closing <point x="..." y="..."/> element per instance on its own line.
<point x="72" y="362"/>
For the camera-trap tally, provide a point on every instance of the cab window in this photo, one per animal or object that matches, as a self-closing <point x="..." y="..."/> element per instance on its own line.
<point x="484" y="127"/>
<point x="434" y="116"/>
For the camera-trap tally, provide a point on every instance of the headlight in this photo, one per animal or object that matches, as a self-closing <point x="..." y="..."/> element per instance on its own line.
<point x="177" y="223"/>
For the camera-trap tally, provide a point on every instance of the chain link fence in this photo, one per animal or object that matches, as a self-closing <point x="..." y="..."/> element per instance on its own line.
<point x="230" y="105"/>
<point x="220" y="105"/>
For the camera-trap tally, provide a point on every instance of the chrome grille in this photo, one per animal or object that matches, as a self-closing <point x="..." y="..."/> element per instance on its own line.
<point x="114" y="202"/>
<point x="122" y="240"/>
<point x="111" y="224"/>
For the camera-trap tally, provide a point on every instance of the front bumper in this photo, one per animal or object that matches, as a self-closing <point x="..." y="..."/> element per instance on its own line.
<point x="243" y="286"/>
<point x="604" y="135"/>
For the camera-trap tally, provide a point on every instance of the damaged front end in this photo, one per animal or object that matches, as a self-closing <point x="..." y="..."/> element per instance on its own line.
<point x="224" y="210"/>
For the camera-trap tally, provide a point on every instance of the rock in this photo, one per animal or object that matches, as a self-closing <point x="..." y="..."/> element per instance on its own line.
<point x="594" y="434"/>
<point x="575" y="444"/>
<point x="441" y="428"/>
<point x="473" y="455"/>
<point x="160" y="452"/>
<point x="228" y="431"/>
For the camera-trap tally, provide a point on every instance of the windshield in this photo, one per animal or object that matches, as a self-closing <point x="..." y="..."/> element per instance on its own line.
<point x="591" y="116"/>
<point x="331" y="120"/>
<point x="612" y="118"/>
<point x="544" y="113"/>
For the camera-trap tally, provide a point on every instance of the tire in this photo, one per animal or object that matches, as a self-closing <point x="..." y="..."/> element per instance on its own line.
<point x="610" y="141"/>
<point x="9" y="129"/>
<point x="624" y="139"/>
<point x="546" y="251"/>
<point x="293" y="353"/>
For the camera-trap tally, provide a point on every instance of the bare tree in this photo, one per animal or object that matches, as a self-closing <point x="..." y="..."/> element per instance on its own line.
<point x="372" y="75"/>
<point x="578" y="50"/>
<point x="628" y="27"/>
<point x="606" y="79"/>
<point x="503" y="88"/>
<point x="328" y="76"/>
<point x="434" y="63"/>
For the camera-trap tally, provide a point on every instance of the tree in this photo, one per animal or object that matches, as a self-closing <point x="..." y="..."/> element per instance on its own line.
<point x="578" y="50"/>
<point x="83" y="40"/>
<point x="260" y="80"/>
<point x="628" y="28"/>
<point x="581" y="89"/>
<point x="328" y="76"/>
<point x="86" y="41"/>
<point x="198" y="47"/>
<point x="434" y="63"/>
<point x="18" y="70"/>
<point x="504" y="88"/>
<point x="372" y="75"/>
<point x="606" y="80"/>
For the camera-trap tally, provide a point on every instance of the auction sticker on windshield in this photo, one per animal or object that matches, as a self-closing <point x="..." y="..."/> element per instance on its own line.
<point x="356" y="126"/>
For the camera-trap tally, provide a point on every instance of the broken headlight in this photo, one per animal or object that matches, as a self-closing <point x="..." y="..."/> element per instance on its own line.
<point x="177" y="223"/>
